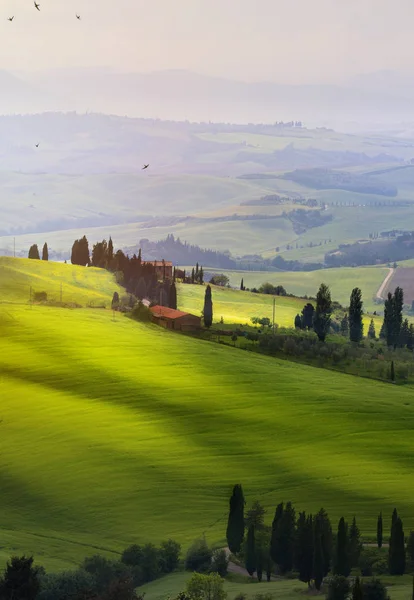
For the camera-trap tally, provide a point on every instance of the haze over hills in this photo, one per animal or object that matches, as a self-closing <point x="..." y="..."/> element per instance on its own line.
<point x="202" y="98"/>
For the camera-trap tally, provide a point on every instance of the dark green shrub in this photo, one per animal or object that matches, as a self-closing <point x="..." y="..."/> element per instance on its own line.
<point x="198" y="557"/>
<point x="220" y="563"/>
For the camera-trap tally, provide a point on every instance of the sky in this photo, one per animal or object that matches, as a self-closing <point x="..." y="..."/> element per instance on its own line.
<point x="287" y="41"/>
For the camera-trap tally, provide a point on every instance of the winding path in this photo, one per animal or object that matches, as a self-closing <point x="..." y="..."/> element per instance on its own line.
<point x="384" y="284"/>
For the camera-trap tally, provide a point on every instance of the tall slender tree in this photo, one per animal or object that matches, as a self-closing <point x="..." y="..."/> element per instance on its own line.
<point x="327" y="540"/>
<point x="356" y="326"/>
<point x="110" y="252"/>
<point x="285" y="539"/>
<point x="322" y="317"/>
<point x="34" y="252"/>
<point x="304" y="545"/>
<point x="208" y="308"/>
<point x="371" y="330"/>
<point x="308" y="312"/>
<point x="317" y="555"/>
<point x="275" y="551"/>
<point x="45" y="252"/>
<point x="242" y="285"/>
<point x="355" y="545"/>
<point x="342" y="563"/>
<point x="235" y="523"/>
<point x="172" y="297"/>
<point x="379" y="530"/>
<point x="250" y="553"/>
<point x="357" y="592"/>
<point x="396" y="550"/>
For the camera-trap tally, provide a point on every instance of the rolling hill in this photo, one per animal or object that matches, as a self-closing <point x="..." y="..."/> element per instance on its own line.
<point x="115" y="431"/>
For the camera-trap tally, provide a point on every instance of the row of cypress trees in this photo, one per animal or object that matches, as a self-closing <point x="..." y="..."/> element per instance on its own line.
<point x="305" y="543"/>
<point x="34" y="252"/>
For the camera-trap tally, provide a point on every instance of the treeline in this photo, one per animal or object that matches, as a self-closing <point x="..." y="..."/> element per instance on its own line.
<point x="98" y="577"/>
<point x="322" y="179"/>
<point x="34" y="252"/>
<point x="369" y="253"/>
<point x="183" y="253"/>
<point x="302" y="220"/>
<point x="306" y="544"/>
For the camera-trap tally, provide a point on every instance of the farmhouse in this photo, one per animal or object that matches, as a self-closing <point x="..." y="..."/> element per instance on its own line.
<point x="175" y="319"/>
<point x="163" y="268"/>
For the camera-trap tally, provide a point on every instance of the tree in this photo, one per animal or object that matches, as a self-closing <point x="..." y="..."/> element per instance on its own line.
<point x="198" y="557"/>
<point x="169" y="556"/>
<point x="141" y="289"/>
<point x="201" y="276"/>
<point x="393" y="318"/>
<point x="242" y="288"/>
<point x="255" y="516"/>
<point x="327" y="540"/>
<point x="220" y="280"/>
<point x="208" y="308"/>
<point x="342" y="565"/>
<point x="308" y="312"/>
<point x="172" y="297"/>
<point x="356" y="326"/>
<point x="345" y="326"/>
<point x="317" y="555"/>
<point x="410" y="552"/>
<point x="298" y="322"/>
<point x="110" y="252"/>
<point x="206" y="587"/>
<point x="235" y="523"/>
<point x="357" y="592"/>
<point x="371" y="330"/>
<point x="322" y="317"/>
<point x="115" y="301"/>
<point x="374" y="590"/>
<point x="45" y="252"/>
<point x="379" y="530"/>
<point x="20" y="580"/>
<point x="396" y="550"/>
<point x="355" y="545"/>
<point x="80" y="252"/>
<point x="192" y="276"/>
<point x="262" y="554"/>
<point x="34" y="252"/>
<point x="284" y="539"/>
<point x="392" y="371"/>
<point x="250" y="551"/>
<point x="338" y="588"/>
<point x="275" y="551"/>
<point x="220" y="562"/>
<point x="304" y="546"/>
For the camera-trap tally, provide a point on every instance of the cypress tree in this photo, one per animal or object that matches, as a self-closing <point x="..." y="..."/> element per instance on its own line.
<point x="242" y="285"/>
<point x="355" y="545"/>
<point x="308" y="312"/>
<point x="392" y="371"/>
<point x="342" y="566"/>
<point x="208" y="308"/>
<point x="396" y="550"/>
<point x="357" y="592"/>
<point x="274" y="539"/>
<point x="379" y="530"/>
<point x="394" y="516"/>
<point x="327" y="540"/>
<point x="397" y="314"/>
<point x="304" y="546"/>
<point x="322" y="317"/>
<point x="410" y="552"/>
<point x="34" y="252"/>
<point x="201" y="276"/>
<point x="45" y="252"/>
<point x="235" y="523"/>
<point x="192" y="276"/>
<point x="110" y="252"/>
<point x="172" y="297"/>
<point x="371" y="330"/>
<point x="298" y="322"/>
<point x="250" y="552"/>
<point x="317" y="555"/>
<point x="115" y="301"/>
<point x="356" y="327"/>
<point x="285" y="539"/>
<point x="345" y="326"/>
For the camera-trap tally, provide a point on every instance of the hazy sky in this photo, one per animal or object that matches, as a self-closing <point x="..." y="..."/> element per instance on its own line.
<point x="280" y="40"/>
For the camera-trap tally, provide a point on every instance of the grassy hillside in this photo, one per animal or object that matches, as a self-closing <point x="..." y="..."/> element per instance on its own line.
<point x="341" y="282"/>
<point x="69" y="282"/>
<point x="114" y="432"/>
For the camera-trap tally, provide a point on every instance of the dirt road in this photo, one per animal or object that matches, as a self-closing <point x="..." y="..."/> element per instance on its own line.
<point x="384" y="284"/>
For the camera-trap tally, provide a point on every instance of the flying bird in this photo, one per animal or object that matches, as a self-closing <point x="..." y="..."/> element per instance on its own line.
<point x="78" y="17"/>
<point x="37" y="145"/>
<point x="145" y="167"/>
<point x="10" y="18"/>
<point x="37" y="5"/>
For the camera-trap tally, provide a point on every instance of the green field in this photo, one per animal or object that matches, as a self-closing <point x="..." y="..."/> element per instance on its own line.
<point x="115" y="432"/>
<point x="341" y="282"/>
<point x="399" y="588"/>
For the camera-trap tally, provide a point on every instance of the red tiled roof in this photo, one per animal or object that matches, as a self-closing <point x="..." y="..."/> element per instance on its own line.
<point x="169" y="313"/>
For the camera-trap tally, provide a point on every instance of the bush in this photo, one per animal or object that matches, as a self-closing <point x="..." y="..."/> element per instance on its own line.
<point x="132" y="556"/>
<point x="140" y="312"/>
<point x="374" y="590"/>
<point x="40" y="296"/>
<point x="220" y="563"/>
<point x="198" y="556"/>
<point x="169" y="556"/>
<point x="240" y="596"/>
<point x="380" y="567"/>
<point x="206" y="587"/>
<point x="61" y="586"/>
<point x="339" y="588"/>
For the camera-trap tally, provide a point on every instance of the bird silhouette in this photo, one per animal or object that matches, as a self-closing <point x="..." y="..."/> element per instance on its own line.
<point x="78" y="17"/>
<point x="37" y="5"/>
<point x="37" y="145"/>
<point x="145" y="167"/>
<point x="10" y="18"/>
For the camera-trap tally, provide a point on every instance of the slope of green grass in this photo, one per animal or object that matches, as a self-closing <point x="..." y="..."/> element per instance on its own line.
<point x="114" y="432"/>
<point x="340" y="281"/>
<point x="77" y="284"/>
